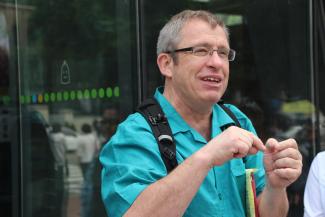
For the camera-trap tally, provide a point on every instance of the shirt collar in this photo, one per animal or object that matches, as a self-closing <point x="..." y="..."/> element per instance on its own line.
<point x="219" y="117"/>
<point x="175" y="120"/>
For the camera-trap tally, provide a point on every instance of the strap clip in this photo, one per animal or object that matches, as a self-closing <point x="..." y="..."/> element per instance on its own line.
<point x="160" y="118"/>
<point x="169" y="153"/>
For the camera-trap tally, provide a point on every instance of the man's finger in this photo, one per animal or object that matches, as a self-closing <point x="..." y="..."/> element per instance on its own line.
<point x="288" y="153"/>
<point x="289" y="143"/>
<point x="257" y="143"/>
<point x="273" y="145"/>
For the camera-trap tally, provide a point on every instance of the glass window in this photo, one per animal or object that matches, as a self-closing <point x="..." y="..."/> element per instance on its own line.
<point x="77" y="79"/>
<point x="9" y="132"/>
<point x="68" y="75"/>
<point x="319" y="68"/>
<point x="270" y="80"/>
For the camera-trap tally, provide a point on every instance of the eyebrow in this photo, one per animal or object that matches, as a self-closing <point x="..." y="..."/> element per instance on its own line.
<point x="205" y="44"/>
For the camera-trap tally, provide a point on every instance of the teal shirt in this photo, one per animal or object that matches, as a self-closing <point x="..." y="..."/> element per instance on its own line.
<point x="131" y="162"/>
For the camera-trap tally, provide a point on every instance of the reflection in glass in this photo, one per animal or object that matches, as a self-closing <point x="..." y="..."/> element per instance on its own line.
<point x="64" y="64"/>
<point x="77" y="66"/>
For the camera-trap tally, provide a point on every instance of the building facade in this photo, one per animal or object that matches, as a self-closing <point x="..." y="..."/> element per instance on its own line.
<point x="67" y="66"/>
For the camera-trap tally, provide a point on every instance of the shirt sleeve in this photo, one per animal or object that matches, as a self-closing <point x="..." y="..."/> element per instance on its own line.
<point x="131" y="161"/>
<point x="312" y="196"/>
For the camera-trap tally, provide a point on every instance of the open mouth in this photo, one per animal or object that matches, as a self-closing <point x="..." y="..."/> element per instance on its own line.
<point x="211" y="79"/>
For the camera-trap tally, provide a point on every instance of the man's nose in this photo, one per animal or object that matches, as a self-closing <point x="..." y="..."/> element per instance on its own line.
<point x="214" y="59"/>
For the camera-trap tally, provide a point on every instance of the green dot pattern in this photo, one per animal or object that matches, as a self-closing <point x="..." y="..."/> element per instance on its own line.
<point x="65" y="95"/>
<point x="59" y="96"/>
<point x="93" y="93"/>
<point x="28" y="99"/>
<point x="72" y="95"/>
<point x="86" y="94"/>
<point x="117" y="92"/>
<point x="101" y="93"/>
<point x="46" y="97"/>
<point x="79" y="94"/>
<point x="109" y="92"/>
<point x="52" y="97"/>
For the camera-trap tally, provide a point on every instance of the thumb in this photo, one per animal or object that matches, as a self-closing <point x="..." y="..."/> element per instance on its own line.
<point x="271" y="145"/>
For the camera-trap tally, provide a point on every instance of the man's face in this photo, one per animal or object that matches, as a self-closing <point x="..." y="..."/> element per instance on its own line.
<point x="201" y="80"/>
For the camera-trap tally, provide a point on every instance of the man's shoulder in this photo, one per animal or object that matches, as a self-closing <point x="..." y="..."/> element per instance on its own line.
<point x="133" y="124"/>
<point x="134" y="119"/>
<point x="132" y="132"/>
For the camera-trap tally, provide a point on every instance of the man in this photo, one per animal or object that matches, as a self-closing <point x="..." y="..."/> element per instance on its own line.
<point x="193" y="56"/>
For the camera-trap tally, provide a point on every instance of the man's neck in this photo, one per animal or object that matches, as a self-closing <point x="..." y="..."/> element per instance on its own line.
<point x="202" y="125"/>
<point x="198" y="117"/>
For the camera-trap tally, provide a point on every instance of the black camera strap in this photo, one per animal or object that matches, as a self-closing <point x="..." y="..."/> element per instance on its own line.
<point x="152" y="112"/>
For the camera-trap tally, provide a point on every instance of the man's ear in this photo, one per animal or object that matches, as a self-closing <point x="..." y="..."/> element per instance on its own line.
<point x="165" y="64"/>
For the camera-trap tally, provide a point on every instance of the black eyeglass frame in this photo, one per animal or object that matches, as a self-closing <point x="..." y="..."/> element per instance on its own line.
<point x="231" y="52"/>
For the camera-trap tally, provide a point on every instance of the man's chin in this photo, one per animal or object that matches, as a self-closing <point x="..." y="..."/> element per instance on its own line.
<point x="213" y="96"/>
<point x="213" y="100"/>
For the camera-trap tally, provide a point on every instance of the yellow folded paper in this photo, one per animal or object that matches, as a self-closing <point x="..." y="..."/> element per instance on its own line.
<point x="251" y="202"/>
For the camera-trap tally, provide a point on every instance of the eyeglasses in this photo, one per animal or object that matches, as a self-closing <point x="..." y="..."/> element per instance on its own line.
<point x="223" y="53"/>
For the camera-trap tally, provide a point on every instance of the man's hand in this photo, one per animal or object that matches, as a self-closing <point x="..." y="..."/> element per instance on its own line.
<point x="234" y="142"/>
<point x="283" y="163"/>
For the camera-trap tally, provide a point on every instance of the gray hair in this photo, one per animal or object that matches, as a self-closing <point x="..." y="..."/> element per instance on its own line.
<point x="169" y="35"/>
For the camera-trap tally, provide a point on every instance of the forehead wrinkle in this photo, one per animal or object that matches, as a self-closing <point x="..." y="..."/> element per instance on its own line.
<point x="206" y="40"/>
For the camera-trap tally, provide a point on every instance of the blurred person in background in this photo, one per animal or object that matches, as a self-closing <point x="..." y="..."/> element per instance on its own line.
<point x="314" y="197"/>
<point x="87" y="150"/>
<point x="59" y="149"/>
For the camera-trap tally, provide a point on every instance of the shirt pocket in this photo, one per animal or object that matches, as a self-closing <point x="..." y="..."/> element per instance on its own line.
<point x="237" y="168"/>
<point x="238" y="174"/>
